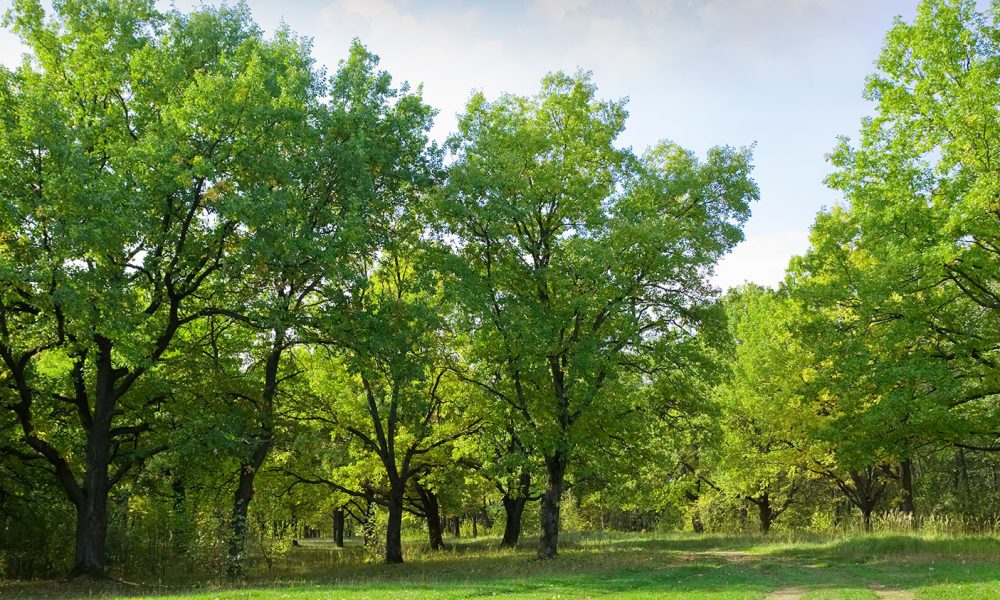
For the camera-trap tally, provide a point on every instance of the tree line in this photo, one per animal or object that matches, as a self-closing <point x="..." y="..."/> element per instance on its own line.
<point x="242" y="298"/>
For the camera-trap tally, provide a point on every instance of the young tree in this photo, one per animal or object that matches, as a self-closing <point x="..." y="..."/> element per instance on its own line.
<point x="578" y="260"/>
<point x="363" y="154"/>
<point x="765" y="423"/>
<point x="389" y="386"/>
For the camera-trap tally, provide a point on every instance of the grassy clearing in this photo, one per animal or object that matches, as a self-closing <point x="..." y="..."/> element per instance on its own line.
<point x="621" y="566"/>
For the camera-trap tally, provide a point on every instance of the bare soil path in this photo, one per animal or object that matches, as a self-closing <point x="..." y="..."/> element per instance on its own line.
<point x="788" y="593"/>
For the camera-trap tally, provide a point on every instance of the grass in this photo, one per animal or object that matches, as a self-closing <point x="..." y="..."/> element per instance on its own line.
<point x="596" y="565"/>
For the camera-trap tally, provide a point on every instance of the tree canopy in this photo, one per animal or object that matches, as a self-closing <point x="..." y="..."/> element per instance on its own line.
<point x="242" y="300"/>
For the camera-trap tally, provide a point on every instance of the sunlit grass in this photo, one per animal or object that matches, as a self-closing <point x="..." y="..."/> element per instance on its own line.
<point x="930" y="565"/>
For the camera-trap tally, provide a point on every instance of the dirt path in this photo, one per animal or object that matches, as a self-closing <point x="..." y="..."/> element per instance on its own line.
<point x="788" y="593"/>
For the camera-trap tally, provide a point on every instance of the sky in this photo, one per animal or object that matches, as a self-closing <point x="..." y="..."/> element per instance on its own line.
<point x="785" y="75"/>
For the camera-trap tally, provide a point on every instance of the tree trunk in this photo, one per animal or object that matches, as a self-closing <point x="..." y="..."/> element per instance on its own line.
<point x="696" y="524"/>
<point x="92" y="503"/>
<point x="514" y="510"/>
<point x="475" y="531"/>
<point x="964" y="471"/>
<point x="548" y="542"/>
<point x="456" y="526"/>
<point x="235" y="561"/>
<point x="259" y="452"/>
<point x="91" y="530"/>
<point x="907" y="505"/>
<point x="432" y="512"/>
<point x="866" y="519"/>
<point x="765" y="512"/>
<point x="181" y="528"/>
<point x="394" y="527"/>
<point x="338" y="527"/>
<point x="434" y="533"/>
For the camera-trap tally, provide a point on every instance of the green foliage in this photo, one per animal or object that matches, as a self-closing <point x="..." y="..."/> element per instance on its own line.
<point x="578" y="262"/>
<point x="225" y="277"/>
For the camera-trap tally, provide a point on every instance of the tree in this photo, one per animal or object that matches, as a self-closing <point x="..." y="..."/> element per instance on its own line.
<point x="498" y="456"/>
<point x="578" y="260"/>
<point x="362" y="156"/>
<point x="384" y="380"/>
<point x="131" y="142"/>
<point x="766" y="423"/>
<point x="921" y="186"/>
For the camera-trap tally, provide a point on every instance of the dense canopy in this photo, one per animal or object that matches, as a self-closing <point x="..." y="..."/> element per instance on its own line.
<point x="243" y="300"/>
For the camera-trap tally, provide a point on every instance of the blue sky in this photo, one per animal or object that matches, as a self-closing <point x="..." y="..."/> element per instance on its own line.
<point x="787" y="75"/>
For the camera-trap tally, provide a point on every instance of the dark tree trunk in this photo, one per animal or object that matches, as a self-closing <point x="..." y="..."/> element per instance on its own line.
<point x="258" y="454"/>
<point x="432" y="512"/>
<point x="181" y="532"/>
<point x="435" y="535"/>
<point x="456" y="526"/>
<point x="91" y="532"/>
<point x="963" y="465"/>
<point x="907" y="505"/>
<point x="338" y="527"/>
<point x="484" y="515"/>
<point x="235" y="561"/>
<point x="865" y="492"/>
<point x="475" y="531"/>
<point x="765" y="512"/>
<point x="548" y="543"/>
<point x="394" y="527"/>
<point x="92" y="504"/>
<point x="514" y="510"/>
<point x="696" y="524"/>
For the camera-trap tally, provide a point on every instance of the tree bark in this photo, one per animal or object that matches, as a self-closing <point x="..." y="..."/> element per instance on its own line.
<point x="394" y="527"/>
<point x="696" y="523"/>
<point x="548" y="542"/>
<point x="434" y="533"/>
<point x="963" y="466"/>
<point x="241" y="503"/>
<point x="338" y="527"/>
<point x="907" y="505"/>
<point x="259" y="451"/>
<point x="92" y="505"/>
<point x="865" y="494"/>
<point x="432" y="512"/>
<point x="514" y="511"/>
<point x="765" y="512"/>
<point x="91" y="532"/>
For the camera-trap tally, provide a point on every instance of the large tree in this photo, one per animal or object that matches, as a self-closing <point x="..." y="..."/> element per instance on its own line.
<point x="922" y="219"/>
<point x="900" y="282"/>
<point x="579" y="260"/>
<point x="131" y="142"/>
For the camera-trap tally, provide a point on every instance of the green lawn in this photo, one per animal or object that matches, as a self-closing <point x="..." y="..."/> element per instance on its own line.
<point x="680" y="566"/>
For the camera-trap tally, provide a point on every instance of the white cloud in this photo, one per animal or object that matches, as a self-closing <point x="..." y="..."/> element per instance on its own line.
<point x="560" y="9"/>
<point x="442" y="49"/>
<point x="761" y="259"/>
